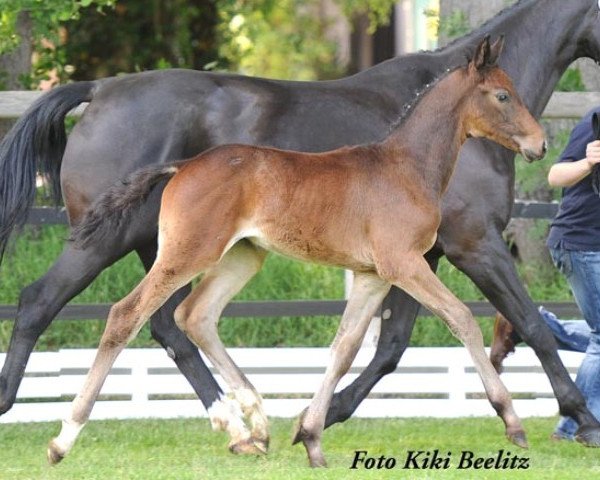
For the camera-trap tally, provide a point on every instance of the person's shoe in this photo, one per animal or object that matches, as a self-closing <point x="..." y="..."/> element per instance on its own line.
<point x="547" y="314"/>
<point x="503" y="342"/>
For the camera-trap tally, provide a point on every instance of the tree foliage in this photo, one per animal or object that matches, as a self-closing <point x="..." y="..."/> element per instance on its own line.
<point x="283" y="39"/>
<point x="91" y="38"/>
<point x="378" y="11"/>
<point x="46" y="15"/>
<point x="138" y="35"/>
<point x="46" y="18"/>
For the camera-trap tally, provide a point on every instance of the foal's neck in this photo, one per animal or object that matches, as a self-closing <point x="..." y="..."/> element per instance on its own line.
<point x="431" y="136"/>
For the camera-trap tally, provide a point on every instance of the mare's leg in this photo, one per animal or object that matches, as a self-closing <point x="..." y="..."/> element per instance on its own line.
<point x="41" y="301"/>
<point x="368" y="290"/>
<point x="489" y="264"/>
<point x="124" y="322"/>
<point x="183" y="352"/>
<point x="198" y="316"/>
<point x="414" y="276"/>
<point x="399" y="312"/>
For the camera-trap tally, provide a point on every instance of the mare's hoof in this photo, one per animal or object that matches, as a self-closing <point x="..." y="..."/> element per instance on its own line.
<point x="298" y="433"/>
<point x="5" y="403"/>
<point x="249" y="446"/>
<point x="519" y="439"/>
<point x="588" y="436"/>
<point x="54" y="454"/>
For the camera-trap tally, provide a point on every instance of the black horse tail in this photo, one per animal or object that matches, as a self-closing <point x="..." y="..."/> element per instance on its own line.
<point x="35" y="143"/>
<point x="118" y="203"/>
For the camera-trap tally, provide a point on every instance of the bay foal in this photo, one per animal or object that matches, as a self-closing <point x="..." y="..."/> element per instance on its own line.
<point x="373" y="209"/>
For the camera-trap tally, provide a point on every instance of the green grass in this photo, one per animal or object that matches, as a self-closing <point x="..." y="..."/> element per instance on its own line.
<point x="187" y="449"/>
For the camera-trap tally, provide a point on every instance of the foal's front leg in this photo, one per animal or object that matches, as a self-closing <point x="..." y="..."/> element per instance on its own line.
<point x="368" y="290"/>
<point x="414" y="276"/>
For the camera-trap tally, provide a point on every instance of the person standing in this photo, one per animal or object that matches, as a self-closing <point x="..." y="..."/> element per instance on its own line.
<point x="574" y="244"/>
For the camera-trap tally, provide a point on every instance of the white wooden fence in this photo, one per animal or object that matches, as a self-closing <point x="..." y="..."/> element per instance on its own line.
<point x="144" y="383"/>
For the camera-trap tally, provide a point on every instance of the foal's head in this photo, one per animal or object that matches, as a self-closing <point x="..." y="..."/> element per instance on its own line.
<point x="495" y="110"/>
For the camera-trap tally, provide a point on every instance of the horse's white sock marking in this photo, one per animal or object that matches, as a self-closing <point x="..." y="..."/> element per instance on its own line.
<point x="68" y="434"/>
<point x="226" y="414"/>
<point x="247" y="398"/>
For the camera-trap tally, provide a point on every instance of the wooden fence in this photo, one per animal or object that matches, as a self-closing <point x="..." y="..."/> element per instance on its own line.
<point x="144" y="383"/>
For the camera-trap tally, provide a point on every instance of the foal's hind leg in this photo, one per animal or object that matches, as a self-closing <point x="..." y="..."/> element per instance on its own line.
<point x="198" y="316"/>
<point x="124" y="322"/>
<point x="183" y="352"/>
<point x="368" y="290"/>
<point x="414" y="276"/>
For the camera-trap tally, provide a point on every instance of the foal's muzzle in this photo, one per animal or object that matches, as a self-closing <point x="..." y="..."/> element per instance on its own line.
<point x="533" y="154"/>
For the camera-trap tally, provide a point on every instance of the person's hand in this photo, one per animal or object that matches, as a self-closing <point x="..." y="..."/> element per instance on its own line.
<point x="592" y="153"/>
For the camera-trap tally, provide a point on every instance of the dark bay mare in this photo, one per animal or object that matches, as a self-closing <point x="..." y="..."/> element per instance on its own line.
<point x="155" y="117"/>
<point x="225" y="209"/>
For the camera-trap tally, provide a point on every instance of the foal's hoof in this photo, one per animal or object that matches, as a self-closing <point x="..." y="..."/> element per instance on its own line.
<point x="588" y="436"/>
<point x="54" y="453"/>
<point x="317" y="460"/>
<point x="311" y="443"/>
<point x="249" y="446"/>
<point x="298" y="433"/>
<point x="518" y="438"/>
<point x="262" y="444"/>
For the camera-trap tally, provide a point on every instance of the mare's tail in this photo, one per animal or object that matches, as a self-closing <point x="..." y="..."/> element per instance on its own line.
<point x="118" y="203"/>
<point x="36" y="143"/>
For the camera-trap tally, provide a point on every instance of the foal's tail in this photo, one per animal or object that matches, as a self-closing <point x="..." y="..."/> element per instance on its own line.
<point x="35" y="143"/>
<point x="118" y="203"/>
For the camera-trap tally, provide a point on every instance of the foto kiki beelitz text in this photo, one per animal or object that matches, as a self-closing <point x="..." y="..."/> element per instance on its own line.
<point x="436" y="460"/>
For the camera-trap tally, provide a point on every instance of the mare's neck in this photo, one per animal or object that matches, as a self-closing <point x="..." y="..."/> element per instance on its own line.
<point x="431" y="136"/>
<point x="535" y="57"/>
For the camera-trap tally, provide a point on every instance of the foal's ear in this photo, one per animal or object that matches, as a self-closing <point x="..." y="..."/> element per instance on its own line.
<point x="496" y="50"/>
<point x="482" y="54"/>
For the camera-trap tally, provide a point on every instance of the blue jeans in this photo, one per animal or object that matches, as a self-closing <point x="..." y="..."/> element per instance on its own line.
<point x="582" y="270"/>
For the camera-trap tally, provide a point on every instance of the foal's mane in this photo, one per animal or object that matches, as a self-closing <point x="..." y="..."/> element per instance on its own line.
<point x="419" y="94"/>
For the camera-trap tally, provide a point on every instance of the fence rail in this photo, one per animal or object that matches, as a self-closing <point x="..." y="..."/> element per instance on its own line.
<point x="433" y="382"/>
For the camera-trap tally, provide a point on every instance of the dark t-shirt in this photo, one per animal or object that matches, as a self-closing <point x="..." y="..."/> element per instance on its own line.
<point x="577" y="223"/>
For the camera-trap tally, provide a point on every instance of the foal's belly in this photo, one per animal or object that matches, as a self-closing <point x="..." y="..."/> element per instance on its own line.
<point x="297" y="244"/>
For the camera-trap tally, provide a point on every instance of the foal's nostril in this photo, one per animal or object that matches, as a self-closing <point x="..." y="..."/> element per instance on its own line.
<point x="544" y="148"/>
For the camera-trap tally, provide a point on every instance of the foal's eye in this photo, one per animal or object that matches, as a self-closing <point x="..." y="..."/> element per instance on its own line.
<point x="502" y="97"/>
